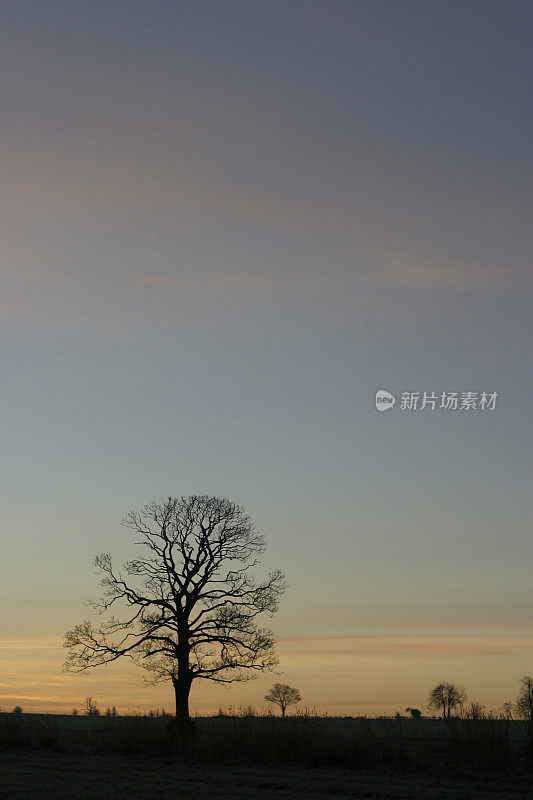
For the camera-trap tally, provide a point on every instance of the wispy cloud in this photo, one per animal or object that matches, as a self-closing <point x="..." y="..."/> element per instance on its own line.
<point x="229" y="280"/>
<point x="414" y="270"/>
<point x="326" y="224"/>
<point x="346" y="646"/>
<point x="30" y="643"/>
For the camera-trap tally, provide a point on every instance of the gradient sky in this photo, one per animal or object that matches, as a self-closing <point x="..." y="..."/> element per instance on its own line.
<point x="225" y="226"/>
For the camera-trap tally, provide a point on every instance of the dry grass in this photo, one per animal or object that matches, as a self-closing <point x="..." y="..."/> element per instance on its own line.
<point x="50" y="776"/>
<point x="246" y="756"/>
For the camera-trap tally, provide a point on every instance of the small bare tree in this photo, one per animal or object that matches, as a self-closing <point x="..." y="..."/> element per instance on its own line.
<point x="190" y="603"/>
<point x="524" y="701"/>
<point x="91" y="709"/>
<point x="476" y="711"/>
<point x="283" y="696"/>
<point x="447" y="696"/>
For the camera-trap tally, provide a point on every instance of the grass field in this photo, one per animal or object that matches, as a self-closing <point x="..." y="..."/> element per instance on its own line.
<point x="48" y="757"/>
<point x="52" y="776"/>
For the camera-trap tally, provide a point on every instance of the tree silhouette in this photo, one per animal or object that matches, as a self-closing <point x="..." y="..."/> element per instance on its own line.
<point x="447" y="696"/>
<point x="524" y="701"/>
<point x="91" y="709"/>
<point x="192" y="604"/>
<point x="283" y="696"/>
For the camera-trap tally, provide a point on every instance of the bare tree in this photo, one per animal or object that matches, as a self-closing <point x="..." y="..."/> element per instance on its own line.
<point x="191" y="602"/>
<point x="476" y="711"/>
<point x="91" y="709"/>
<point x="447" y="696"/>
<point x="283" y="696"/>
<point x="524" y="701"/>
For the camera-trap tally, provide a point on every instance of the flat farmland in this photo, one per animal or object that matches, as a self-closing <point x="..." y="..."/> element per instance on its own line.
<point x="52" y="756"/>
<point x="52" y="776"/>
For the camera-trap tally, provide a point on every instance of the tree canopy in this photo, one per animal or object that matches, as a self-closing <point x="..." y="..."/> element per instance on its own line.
<point x="447" y="696"/>
<point x="283" y="696"/>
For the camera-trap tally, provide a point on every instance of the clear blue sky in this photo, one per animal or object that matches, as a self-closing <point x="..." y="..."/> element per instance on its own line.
<point x="225" y="225"/>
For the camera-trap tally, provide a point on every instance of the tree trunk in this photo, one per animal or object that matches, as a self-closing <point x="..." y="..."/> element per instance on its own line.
<point x="182" y="688"/>
<point x="183" y="680"/>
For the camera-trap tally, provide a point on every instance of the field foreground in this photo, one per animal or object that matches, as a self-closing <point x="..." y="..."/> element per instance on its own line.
<point x="45" y="757"/>
<point x="53" y="776"/>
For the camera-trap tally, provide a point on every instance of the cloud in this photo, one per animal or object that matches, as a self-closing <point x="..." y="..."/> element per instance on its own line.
<point x="321" y="221"/>
<point x="33" y="643"/>
<point x="412" y="269"/>
<point x="224" y="280"/>
<point x="357" y="646"/>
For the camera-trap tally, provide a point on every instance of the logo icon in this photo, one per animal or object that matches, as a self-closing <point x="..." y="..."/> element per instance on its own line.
<point x="384" y="400"/>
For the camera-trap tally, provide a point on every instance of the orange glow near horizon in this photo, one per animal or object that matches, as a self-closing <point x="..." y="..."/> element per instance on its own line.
<point x="344" y="675"/>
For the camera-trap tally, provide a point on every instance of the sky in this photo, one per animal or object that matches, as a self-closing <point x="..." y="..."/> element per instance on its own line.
<point x="225" y="226"/>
